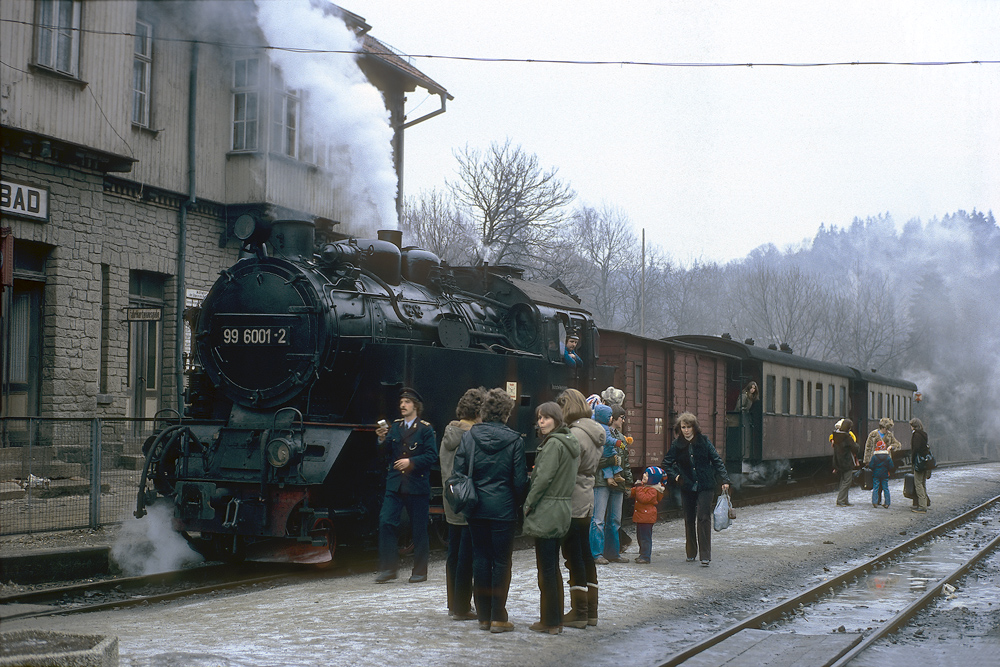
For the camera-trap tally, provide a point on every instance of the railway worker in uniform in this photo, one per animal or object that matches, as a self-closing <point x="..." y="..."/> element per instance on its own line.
<point x="692" y="462"/>
<point x="411" y="447"/>
<point x="548" y="507"/>
<point x="918" y="445"/>
<point x="500" y="477"/>
<point x="458" y="566"/>
<point x="845" y="458"/>
<point x="576" y="546"/>
<point x="884" y="434"/>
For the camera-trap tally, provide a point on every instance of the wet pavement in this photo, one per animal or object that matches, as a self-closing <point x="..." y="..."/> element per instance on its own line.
<point x="647" y="611"/>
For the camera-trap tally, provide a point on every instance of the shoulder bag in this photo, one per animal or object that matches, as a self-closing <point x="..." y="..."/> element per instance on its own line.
<point x="459" y="490"/>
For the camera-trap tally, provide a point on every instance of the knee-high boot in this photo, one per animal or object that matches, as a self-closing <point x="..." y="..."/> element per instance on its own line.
<point x="576" y="617"/>
<point x="591" y="604"/>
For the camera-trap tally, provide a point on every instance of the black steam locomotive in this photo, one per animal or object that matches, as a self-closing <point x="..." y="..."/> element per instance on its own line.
<point x="303" y="349"/>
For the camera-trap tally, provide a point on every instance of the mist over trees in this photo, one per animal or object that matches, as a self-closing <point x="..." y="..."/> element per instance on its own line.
<point x="920" y="303"/>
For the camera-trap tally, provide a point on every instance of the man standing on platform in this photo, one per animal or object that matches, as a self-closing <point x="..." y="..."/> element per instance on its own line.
<point x="411" y="447"/>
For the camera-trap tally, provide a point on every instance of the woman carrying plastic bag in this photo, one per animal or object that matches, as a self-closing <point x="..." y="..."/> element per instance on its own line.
<point x="724" y="513"/>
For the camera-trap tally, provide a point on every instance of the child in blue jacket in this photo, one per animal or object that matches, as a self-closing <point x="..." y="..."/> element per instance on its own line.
<point x="602" y="415"/>
<point x="881" y="466"/>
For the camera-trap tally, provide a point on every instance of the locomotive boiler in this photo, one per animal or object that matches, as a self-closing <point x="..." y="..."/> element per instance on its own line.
<point x="302" y="349"/>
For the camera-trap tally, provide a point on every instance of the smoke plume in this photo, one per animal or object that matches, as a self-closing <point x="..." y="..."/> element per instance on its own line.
<point x="150" y="545"/>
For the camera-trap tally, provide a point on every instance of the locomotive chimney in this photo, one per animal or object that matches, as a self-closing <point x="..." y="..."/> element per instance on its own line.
<point x="393" y="236"/>
<point x="293" y="239"/>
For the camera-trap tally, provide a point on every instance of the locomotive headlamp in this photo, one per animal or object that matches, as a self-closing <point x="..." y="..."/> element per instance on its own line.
<point x="280" y="452"/>
<point x="250" y="229"/>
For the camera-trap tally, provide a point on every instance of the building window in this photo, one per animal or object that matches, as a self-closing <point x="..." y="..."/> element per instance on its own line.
<point x="57" y="36"/>
<point x="819" y="399"/>
<point x="769" y="390"/>
<point x="246" y="82"/>
<point x="786" y="396"/>
<point x="285" y="106"/>
<point x="142" y="71"/>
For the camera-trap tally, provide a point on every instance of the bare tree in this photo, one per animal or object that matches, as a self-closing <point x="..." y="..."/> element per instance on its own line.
<point x="782" y="304"/>
<point x="517" y="206"/>
<point x="433" y="221"/>
<point x="606" y="242"/>
<point x="878" y="326"/>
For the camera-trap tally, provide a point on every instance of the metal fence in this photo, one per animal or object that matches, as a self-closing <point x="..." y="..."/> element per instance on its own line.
<point x="59" y="474"/>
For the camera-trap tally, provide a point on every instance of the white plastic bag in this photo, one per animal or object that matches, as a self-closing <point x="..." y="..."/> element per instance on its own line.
<point x="721" y="517"/>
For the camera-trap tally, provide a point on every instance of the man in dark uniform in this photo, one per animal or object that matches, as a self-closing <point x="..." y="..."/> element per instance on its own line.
<point x="411" y="446"/>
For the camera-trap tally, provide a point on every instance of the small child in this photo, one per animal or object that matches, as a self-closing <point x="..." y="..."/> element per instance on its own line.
<point x="647" y="494"/>
<point x="881" y="466"/>
<point x="602" y="415"/>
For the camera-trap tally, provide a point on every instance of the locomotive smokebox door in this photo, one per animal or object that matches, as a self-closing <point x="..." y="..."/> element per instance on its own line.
<point x="453" y="333"/>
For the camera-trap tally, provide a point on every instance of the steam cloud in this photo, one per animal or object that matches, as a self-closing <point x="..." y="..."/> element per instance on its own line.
<point x="150" y="545"/>
<point x="344" y="110"/>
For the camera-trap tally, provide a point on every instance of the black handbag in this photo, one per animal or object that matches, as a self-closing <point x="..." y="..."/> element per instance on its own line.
<point x="925" y="462"/>
<point x="459" y="491"/>
<point x="908" y="487"/>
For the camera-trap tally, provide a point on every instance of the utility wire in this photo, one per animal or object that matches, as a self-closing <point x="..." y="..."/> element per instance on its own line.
<point x="546" y="61"/>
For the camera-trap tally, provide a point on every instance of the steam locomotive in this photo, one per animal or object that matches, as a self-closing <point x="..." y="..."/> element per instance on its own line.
<point x="303" y="348"/>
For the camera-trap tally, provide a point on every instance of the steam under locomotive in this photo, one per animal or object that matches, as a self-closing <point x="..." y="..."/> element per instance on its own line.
<point x="302" y="349"/>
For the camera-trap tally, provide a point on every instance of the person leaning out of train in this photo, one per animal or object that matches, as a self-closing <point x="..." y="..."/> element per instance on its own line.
<point x="920" y="448"/>
<point x="411" y="448"/>
<point x="576" y="546"/>
<point x="458" y="564"/>
<point x="571" y="356"/>
<point x="500" y="477"/>
<point x="693" y="463"/>
<point x="845" y="458"/>
<point x="548" y="509"/>
<point x="884" y="434"/>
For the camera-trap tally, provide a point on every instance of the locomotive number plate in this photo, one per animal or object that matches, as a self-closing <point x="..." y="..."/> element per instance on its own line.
<point x="256" y="335"/>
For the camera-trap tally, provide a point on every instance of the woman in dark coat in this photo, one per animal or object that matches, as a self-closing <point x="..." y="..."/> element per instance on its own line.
<point x="692" y="462"/>
<point x="918" y="444"/>
<point x="845" y="457"/>
<point x="499" y="473"/>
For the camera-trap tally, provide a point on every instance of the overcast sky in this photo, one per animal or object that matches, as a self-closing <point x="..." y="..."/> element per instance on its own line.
<point x="714" y="162"/>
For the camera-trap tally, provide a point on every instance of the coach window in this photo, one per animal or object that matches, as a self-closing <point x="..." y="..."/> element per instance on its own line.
<point x="799" y="390"/>
<point x="843" y="401"/>
<point x="786" y="396"/>
<point x="831" y="408"/>
<point x="145" y="342"/>
<point x="21" y="350"/>
<point x="819" y="399"/>
<point x="770" y="391"/>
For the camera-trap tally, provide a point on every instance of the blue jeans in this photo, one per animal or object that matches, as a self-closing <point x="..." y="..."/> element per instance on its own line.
<point x="604" y="533"/>
<point x="877" y="487"/>
<point x="644" y="533"/>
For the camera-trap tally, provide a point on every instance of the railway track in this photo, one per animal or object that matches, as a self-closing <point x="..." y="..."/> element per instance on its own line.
<point x="123" y="592"/>
<point x="959" y="543"/>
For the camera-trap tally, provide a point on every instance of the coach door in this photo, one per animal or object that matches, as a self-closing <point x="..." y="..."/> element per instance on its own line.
<point x="145" y="336"/>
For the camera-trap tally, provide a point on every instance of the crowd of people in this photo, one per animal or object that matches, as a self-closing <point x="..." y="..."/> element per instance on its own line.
<point x="877" y="460"/>
<point x="571" y="502"/>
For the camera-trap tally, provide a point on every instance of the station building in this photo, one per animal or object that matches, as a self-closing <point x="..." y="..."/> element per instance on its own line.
<point x="135" y="135"/>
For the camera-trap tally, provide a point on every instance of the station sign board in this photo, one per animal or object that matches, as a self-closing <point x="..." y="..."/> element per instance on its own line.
<point x="24" y="200"/>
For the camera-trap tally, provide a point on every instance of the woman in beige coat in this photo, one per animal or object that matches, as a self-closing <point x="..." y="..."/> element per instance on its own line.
<point x="576" y="547"/>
